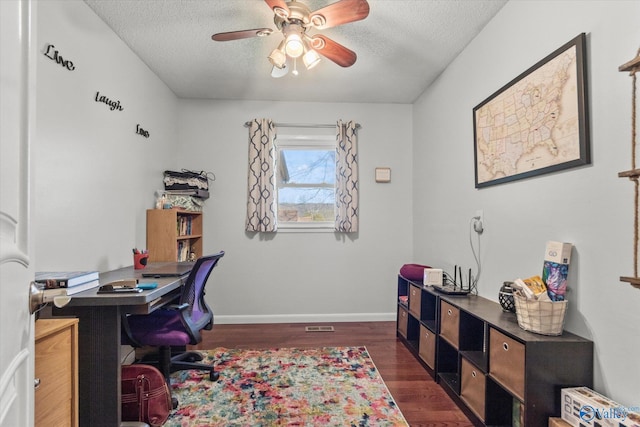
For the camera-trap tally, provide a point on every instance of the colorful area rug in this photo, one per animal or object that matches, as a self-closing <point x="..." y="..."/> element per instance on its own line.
<point x="334" y="386"/>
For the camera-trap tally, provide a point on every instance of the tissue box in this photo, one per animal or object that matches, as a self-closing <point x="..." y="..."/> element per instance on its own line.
<point x="582" y="406"/>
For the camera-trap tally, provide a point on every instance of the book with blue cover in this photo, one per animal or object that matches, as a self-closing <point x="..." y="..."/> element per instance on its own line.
<point x="65" y="279"/>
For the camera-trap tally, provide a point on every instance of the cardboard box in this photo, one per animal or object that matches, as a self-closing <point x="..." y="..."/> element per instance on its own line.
<point x="558" y="252"/>
<point x="583" y="407"/>
<point x="555" y="269"/>
<point x="558" y="422"/>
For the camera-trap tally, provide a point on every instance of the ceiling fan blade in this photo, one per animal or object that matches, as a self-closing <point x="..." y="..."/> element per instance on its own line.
<point x="279" y="7"/>
<point x="334" y="51"/>
<point x="276" y="72"/>
<point x="243" y="34"/>
<point x="339" y="13"/>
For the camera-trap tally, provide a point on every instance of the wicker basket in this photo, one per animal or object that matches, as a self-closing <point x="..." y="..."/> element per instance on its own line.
<point x="541" y="317"/>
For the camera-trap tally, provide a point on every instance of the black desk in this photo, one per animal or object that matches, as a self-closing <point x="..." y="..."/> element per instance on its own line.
<point x="99" y="340"/>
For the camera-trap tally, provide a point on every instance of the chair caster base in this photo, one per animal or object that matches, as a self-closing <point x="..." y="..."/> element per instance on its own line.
<point x="214" y="376"/>
<point x="174" y="403"/>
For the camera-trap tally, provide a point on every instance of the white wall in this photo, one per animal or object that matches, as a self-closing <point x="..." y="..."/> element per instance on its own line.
<point x="94" y="176"/>
<point x="302" y="276"/>
<point x="588" y="206"/>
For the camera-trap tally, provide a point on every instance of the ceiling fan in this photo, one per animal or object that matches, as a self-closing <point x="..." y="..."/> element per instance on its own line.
<point x="294" y="19"/>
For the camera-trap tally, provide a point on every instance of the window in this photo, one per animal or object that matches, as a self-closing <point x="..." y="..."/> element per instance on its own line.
<point x="306" y="181"/>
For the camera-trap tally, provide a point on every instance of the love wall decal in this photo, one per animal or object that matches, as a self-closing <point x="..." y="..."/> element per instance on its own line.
<point x="141" y="131"/>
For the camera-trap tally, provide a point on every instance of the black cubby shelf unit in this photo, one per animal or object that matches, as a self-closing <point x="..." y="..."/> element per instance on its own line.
<point x="417" y="322"/>
<point x="497" y="373"/>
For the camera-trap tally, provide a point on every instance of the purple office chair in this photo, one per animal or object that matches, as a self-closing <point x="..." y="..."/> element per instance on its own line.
<point x="173" y="327"/>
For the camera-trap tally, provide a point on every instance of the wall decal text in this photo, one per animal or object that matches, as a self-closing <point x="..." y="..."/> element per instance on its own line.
<point x="114" y="105"/>
<point x="141" y="131"/>
<point x="54" y="55"/>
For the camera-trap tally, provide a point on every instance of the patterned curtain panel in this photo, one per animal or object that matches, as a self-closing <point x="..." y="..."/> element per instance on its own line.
<point x="261" y="189"/>
<point x="347" y="178"/>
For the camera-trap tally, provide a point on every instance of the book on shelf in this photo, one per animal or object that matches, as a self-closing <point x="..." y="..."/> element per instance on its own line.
<point x="54" y="292"/>
<point x="183" y="251"/>
<point x="65" y="279"/>
<point x="184" y="226"/>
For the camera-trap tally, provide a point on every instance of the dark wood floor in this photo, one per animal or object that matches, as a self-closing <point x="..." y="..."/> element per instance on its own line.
<point x="421" y="400"/>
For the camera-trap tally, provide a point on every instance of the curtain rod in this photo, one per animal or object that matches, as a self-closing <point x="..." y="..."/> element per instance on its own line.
<point x="303" y="125"/>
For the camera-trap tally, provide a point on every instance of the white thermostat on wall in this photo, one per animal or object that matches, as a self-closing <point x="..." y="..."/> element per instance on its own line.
<point x="432" y="276"/>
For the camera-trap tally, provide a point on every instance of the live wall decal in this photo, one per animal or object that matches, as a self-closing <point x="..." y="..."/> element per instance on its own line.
<point x="114" y="105"/>
<point x="54" y="55"/>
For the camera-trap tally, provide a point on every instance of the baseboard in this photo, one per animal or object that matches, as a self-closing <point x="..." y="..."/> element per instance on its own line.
<point x="304" y="318"/>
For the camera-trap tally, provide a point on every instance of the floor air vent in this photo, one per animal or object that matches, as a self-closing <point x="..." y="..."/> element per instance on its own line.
<point x="319" y="328"/>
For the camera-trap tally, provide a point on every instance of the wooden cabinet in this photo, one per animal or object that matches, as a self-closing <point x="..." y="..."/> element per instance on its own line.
<point x="173" y="234"/>
<point x="56" y="372"/>
<point x="498" y="373"/>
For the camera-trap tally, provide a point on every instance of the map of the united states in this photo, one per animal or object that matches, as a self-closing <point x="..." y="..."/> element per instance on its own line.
<point x="532" y="124"/>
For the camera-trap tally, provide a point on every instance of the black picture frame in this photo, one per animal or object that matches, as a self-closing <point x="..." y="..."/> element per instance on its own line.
<point x="498" y="134"/>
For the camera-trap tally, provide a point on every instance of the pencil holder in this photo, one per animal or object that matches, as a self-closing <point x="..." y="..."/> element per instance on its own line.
<point x="140" y="261"/>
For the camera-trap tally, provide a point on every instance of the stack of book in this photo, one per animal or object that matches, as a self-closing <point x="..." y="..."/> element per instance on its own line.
<point x="55" y="283"/>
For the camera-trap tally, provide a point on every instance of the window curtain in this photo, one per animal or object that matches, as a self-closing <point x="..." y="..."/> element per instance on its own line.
<point x="261" y="189"/>
<point x="347" y="206"/>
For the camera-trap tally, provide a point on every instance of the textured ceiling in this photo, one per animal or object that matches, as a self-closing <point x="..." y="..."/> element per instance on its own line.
<point x="402" y="46"/>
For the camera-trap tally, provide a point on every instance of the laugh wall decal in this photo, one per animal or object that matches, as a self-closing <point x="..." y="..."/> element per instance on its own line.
<point x="114" y="105"/>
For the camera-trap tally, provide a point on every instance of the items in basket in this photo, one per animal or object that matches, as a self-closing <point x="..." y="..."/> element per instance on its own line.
<point x="531" y="288"/>
<point x="535" y="310"/>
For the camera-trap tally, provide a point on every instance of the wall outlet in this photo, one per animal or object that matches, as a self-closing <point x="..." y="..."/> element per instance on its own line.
<point x="478" y="221"/>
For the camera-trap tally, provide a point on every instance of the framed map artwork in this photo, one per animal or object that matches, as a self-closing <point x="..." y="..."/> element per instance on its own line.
<point x="537" y="123"/>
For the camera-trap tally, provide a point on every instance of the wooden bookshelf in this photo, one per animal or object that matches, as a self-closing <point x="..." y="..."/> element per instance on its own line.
<point x="173" y="234"/>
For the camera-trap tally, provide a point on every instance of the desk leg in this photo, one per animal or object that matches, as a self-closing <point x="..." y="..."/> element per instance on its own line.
<point x="99" y="365"/>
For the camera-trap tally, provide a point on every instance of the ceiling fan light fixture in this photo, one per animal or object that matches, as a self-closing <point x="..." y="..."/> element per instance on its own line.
<point x="294" y="46"/>
<point x="311" y="59"/>
<point x="277" y="57"/>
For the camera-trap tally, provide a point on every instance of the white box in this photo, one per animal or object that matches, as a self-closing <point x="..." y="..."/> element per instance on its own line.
<point x="583" y="407"/>
<point x="432" y="276"/>
<point x="558" y="252"/>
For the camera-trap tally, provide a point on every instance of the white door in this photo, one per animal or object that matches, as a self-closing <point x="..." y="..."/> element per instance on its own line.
<point x="17" y="122"/>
